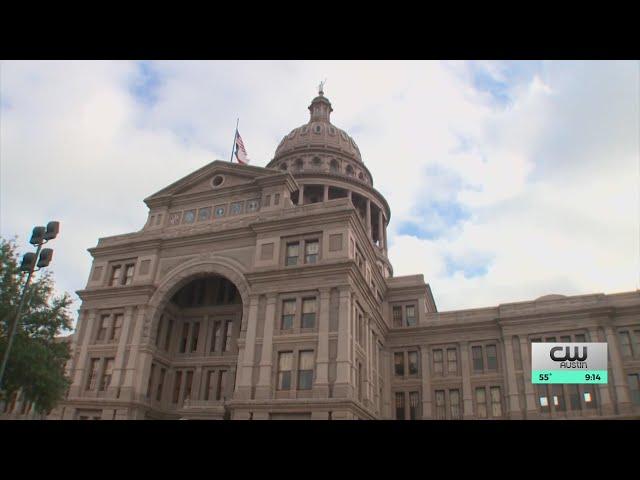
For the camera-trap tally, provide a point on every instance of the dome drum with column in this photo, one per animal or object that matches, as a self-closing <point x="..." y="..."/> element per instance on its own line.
<point x="327" y="164"/>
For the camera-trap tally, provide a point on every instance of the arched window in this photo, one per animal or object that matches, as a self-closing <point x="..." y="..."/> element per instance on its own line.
<point x="299" y="164"/>
<point x="283" y="166"/>
<point x="361" y="176"/>
<point x="334" y="165"/>
<point x="316" y="162"/>
<point x="350" y="171"/>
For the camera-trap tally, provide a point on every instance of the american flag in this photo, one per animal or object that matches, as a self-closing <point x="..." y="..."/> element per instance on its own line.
<point x="241" y="153"/>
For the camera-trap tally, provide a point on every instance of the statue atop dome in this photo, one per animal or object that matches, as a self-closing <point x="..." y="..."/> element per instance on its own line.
<point x="321" y="87"/>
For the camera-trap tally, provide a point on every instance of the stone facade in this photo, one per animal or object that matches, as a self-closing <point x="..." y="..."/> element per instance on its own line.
<point x="266" y="293"/>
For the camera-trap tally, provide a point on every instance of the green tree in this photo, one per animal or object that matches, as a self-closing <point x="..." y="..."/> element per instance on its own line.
<point x="36" y="361"/>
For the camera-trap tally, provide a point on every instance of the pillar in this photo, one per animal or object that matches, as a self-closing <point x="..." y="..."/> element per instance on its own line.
<point x="263" y="389"/>
<point x="247" y="359"/>
<point x="606" y="405"/>
<point x="127" y="389"/>
<point x="532" y="407"/>
<point x="381" y="241"/>
<point x="425" y="372"/>
<point x="301" y="195"/>
<point x="619" y="378"/>
<point x="368" y="220"/>
<point x="513" y="403"/>
<point x="119" y="367"/>
<point x="87" y="318"/>
<point x="326" y="193"/>
<point x="321" y="384"/>
<point x="467" y="395"/>
<point x="343" y="386"/>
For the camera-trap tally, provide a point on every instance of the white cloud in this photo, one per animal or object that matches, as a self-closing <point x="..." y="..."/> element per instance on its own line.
<point x="549" y="178"/>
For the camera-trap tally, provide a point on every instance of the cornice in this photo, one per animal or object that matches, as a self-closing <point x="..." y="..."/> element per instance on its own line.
<point x="115" y="292"/>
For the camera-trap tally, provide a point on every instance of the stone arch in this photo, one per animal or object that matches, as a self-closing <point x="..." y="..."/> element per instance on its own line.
<point x="202" y="266"/>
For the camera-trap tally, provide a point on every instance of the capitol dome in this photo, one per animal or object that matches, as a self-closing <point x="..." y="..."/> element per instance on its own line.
<point x="319" y="145"/>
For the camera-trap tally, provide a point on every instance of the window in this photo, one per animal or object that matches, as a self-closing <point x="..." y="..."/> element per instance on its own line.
<point x="204" y="214"/>
<point x="93" y="374"/>
<point x="163" y="372"/>
<point x="565" y="338"/>
<point x="625" y="344"/>
<point x="478" y="361"/>
<point x="104" y="327"/>
<point x="437" y="362"/>
<point x="252" y="205"/>
<point x="574" y="397"/>
<point x="222" y="381"/>
<point x="543" y="399"/>
<point x="176" y="386"/>
<point x="194" y="336"/>
<point x="227" y="336"/>
<point x="115" y="275"/>
<point x="634" y="387"/>
<point x="492" y="358"/>
<point x="150" y="383"/>
<point x="410" y="311"/>
<point x="117" y="327"/>
<point x="167" y="339"/>
<point x="440" y="406"/>
<point x="219" y="211"/>
<point x="189" y="216"/>
<point x="305" y="370"/>
<point x="188" y="383"/>
<point x="398" y="360"/>
<point x="236" y="208"/>
<point x="292" y="253"/>
<point x="284" y="370"/>
<point x="496" y="402"/>
<point x="288" y="313"/>
<point x="452" y="361"/>
<point x="185" y="335"/>
<point x="481" y="402"/>
<point x="276" y="199"/>
<point x="557" y="396"/>
<point x="397" y="316"/>
<point x="108" y="372"/>
<point x="209" y="392"/>
<point x="311" y="251"/>
<point x="590" y="396"/>
<point x="308" y="312"/>
<point x="414" y="405"/>
<point x="413" y="363"/>
<point x="581" y="338"/>
<point x="454" y="400"/>
<point x="399" y="405"/>
<point x="216" y="335"/>
<point x="128" y="274"/>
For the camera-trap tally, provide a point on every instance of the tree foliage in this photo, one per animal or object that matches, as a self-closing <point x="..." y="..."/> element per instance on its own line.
<point x="37" y="360"/>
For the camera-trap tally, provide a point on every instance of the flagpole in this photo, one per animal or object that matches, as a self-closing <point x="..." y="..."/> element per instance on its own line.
<point x="234" y="140"/>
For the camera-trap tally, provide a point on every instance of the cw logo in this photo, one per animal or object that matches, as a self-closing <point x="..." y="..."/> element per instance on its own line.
<point x="567" y="355"/>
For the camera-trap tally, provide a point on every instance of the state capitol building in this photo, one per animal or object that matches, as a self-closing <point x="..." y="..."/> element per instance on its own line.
<point x="266" y="293"/>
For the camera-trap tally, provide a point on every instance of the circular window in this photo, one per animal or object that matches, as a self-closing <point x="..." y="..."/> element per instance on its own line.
<point x="283" y="166"/>
<point x="361" y="176"/>
<point x="316" y="162"/>
<point x="217" y="181"/>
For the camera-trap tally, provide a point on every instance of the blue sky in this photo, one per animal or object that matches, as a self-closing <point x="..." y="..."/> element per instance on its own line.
<point x="506" y="180"/>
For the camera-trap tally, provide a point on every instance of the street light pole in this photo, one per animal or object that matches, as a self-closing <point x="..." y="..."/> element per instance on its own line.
<point x="39" y="237"/>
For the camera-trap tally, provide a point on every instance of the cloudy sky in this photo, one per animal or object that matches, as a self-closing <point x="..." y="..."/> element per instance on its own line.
<point x="506" y="180"/>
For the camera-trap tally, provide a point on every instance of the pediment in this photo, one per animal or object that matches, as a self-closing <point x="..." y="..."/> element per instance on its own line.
<point x="232" y="174"/>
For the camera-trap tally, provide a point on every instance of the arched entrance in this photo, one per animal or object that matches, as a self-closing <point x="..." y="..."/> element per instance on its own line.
<point x="195" y="320"/>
